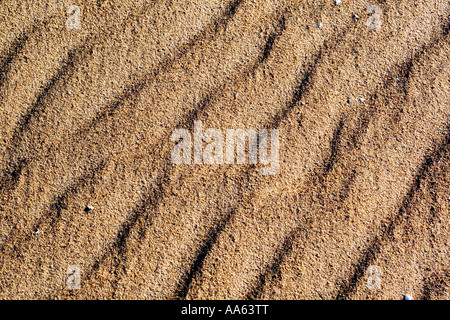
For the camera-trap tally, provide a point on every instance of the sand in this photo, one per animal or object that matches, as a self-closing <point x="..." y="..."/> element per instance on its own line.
<point x="358" y="209"/>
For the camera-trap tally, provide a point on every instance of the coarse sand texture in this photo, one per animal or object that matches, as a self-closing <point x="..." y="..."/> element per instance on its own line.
<point x="224" y="149"/>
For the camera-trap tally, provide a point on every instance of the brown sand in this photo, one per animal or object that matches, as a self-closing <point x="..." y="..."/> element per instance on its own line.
<point x="360" y="184"/>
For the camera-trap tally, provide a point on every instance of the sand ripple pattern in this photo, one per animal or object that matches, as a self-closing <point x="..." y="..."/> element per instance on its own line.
<point x="86" y="117"/>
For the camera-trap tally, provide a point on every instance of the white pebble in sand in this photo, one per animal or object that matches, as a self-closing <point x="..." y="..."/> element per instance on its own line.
<point x="319" y="25"/>
<point x="361" y="99"/>
<point x="337" y="1"/>
<point x="407" y="297"/>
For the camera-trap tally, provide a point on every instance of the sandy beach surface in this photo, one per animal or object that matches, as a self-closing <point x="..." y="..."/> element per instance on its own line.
<point x="93" y="205"/>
